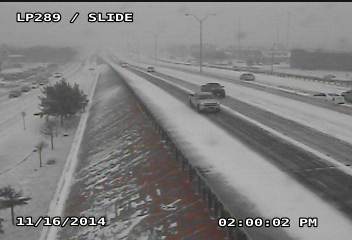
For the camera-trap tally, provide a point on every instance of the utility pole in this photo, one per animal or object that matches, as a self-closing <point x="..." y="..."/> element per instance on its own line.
<point x="239" y="38"/>
<point x="155" y="49"/>
<point x="200" y="20"/>
<point x="234" y="38"/>
<point x="272" y="58"/>
<point x="200" y="45"/>
<point x="288" y="31"/>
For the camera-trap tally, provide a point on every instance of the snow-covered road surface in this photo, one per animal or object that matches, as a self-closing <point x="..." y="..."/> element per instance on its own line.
<point x="333" y="123"/>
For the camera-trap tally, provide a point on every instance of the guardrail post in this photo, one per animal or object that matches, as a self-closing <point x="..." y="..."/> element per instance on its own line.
<point x="204" y="192"/>
<point x="176" y="154"/>
<point x="190" y="173"/>
<point x="210" y="203"/>
<point x="199" y="185"/>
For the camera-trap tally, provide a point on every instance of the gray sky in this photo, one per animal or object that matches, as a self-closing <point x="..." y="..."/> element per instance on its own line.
<point x="312" y="25"/>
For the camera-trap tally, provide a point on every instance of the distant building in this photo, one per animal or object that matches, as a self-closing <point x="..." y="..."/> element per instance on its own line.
<point x="319" y="59"/>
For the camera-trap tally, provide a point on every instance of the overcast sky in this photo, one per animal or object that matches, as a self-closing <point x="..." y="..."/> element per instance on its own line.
<point x="311" y="25"/>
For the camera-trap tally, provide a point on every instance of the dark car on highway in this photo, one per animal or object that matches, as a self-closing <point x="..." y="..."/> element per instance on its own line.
<point x="14" y="93"/>
<point x="25" y="88"/>
<point x="215" y="88"/>
<point x="247" y="77"/>
<point x="150" y="69"/>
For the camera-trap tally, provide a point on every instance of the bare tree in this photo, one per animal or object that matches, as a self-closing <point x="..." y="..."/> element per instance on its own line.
<point x="10" y="198"/>
<point x="39" y="147"/>
<point x="49" y="130"/>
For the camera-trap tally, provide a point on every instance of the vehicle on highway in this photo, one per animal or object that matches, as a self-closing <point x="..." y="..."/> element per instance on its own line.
<point x="329" y="77"/>
<point x="150" y="69"/>
<point x="124" y="64"/>
<point x="91" y="68"/>
<point x="25" y="88"/>
<point x="335" y="98"/>
<point x="204" y="102"/>
<point x="236" y="68"/>
<point x="14" y="93"/>
<point x="332" y="97"/>
<point x="247" y="77"/>
<point x="57" y="75"/>
<point x="215" y="88"/>
<point x="347" y="95"/>
<point x="34" y="85"/>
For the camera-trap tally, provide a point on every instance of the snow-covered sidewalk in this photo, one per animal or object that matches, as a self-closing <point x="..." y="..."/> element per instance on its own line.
<point x="272" y="192"/>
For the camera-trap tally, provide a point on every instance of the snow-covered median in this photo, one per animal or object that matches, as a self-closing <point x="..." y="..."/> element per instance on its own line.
<point x="272" y="192"/>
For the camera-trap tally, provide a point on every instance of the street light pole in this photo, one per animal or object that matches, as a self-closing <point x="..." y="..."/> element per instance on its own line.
<point x="200" y="20"/>
<point x="200" y="45"/>
<point x="272" y="58"/>
<point x="155" y="48"/>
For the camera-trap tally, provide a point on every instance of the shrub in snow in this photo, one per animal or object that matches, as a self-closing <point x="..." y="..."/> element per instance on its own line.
<point x="62" y="100"/>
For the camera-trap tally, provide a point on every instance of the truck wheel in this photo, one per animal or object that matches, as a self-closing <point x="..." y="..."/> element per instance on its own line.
<point x="198" y="108"/>
<point x="190" y="103"/>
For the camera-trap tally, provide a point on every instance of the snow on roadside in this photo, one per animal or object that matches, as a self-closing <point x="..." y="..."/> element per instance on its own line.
<point x="242" y="169"/>
<point x="306" y="86"/>
<point x="283" y="82"/>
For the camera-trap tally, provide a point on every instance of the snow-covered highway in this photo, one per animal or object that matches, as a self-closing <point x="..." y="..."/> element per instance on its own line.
<point x="271" y="158"/>
<point x="296" y="89"/>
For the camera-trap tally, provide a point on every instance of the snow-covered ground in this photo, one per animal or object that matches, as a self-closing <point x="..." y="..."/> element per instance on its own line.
<point x="19" y="165"/>
<point x="285" y="68"/>
<point x="300" y="86"/>
<point x="324" y="120"/>
<point x="272" y="192"/>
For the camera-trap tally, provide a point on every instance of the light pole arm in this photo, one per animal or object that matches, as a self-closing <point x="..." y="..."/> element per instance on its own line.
<point x="200" y="20"/>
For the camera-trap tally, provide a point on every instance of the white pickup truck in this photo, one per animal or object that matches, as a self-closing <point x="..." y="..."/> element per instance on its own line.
<point x="204" y="101"/>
